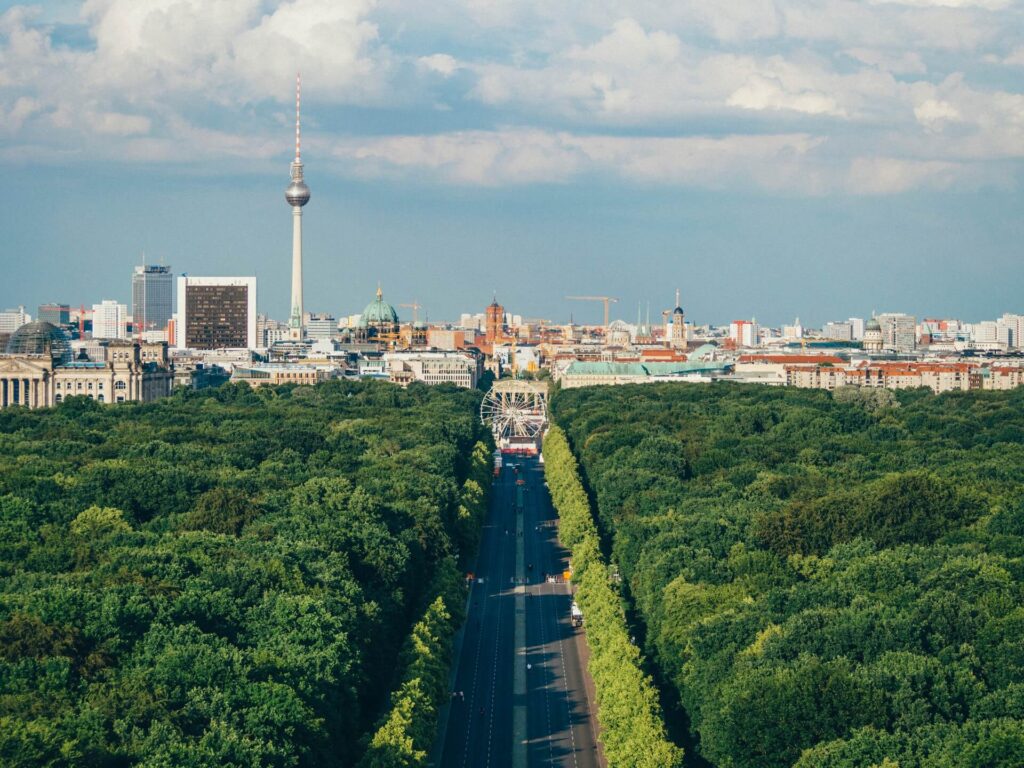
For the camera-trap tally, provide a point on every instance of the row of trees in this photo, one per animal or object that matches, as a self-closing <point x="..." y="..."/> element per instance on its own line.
<point x="404" y="737"/>
<point x="824" y="580"/>
<point x="223" y="577"/>
<point x="632" y="730"/>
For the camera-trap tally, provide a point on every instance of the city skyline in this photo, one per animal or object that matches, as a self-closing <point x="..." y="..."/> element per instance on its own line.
<point x="770" y="167"/>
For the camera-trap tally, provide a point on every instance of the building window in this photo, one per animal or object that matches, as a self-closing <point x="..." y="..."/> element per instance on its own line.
<point x="120" y="386"/>
<point x="58" y="398"/>
<point x="100" y="398"/>
<point x="90" y="385"/>
<point x="120" y="398"/>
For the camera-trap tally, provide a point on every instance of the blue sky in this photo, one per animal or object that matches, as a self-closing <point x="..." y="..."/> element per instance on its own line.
<point x="772" y="158"/>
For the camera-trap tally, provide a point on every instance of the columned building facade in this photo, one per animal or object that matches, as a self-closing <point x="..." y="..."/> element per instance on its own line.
<point x="37" y="371"/>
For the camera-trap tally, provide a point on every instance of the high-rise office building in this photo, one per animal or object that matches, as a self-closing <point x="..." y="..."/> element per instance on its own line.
<point x="321" y="326"/>
<point x="109" y="320"/>
<point x="899" y="331"/>
<point x="55" y="314"/>
<point x="216" y="313"/>
<point x="152" y="298"/>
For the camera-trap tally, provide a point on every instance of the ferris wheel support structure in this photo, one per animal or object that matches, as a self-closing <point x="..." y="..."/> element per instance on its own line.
<point x="516" y="412"/>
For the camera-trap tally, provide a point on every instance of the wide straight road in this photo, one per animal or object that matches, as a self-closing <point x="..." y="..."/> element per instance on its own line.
<point x="527" y="704"/>
<point x="560" y="712"/>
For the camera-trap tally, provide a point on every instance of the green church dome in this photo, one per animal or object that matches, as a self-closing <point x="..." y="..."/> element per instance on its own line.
<point x="378" y="312"/>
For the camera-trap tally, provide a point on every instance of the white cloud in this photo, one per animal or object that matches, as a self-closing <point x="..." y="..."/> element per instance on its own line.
<point x="905" y="63"/>
<point x="932" y="112"/>
<point x="441" y="63"/>
<point x="808" y="97"/>
<point x="891" y="175"/>
<point x="761" y="92"/>
<point x="525" y="156"/>
<point x="992" y="5"/>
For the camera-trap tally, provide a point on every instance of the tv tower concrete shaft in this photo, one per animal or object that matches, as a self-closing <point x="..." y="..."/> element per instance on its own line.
<point x="297" y="196"/>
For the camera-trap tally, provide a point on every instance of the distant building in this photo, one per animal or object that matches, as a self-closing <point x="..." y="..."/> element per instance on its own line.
<point x="745" y="333"/>
<point x="152" y="298"/>
<point x="873" y="339"/>
<point x="270" y="331"/>
<point x="12" y="319"/>
<point x="271" y="375"/>
<point x="992" y="334"/>
<point x="678" y="338"/>
<point x="55" y="314"/>
<point x="433" y="368"/>
<point x="1016" y="325"/>
<point x="494" y="327"/>
<point x="379" y="322"/>
<point x="37" y="370"/>
<point x="109" y="320"/>
<point x="216" y="313"/>
<point x="857" y="326"/>
<point x="838" y="331"/>
<point x="321" y="326"/>
<point x="794" y="331"/>
<point x="448" y="339"/>
<point x="587" y="374"/>
<point x="899" y="331"/>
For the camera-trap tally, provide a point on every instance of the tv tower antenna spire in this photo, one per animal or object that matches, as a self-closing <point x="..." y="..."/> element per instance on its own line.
<point x="298" y="113"/>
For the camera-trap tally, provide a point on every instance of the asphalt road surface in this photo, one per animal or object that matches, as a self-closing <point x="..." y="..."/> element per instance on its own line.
<point x="559" y="723"/>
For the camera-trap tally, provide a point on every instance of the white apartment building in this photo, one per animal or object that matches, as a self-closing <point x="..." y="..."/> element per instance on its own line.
<point x="1016" y="325"/>
<point x="109" y="320"/>
<point x="992" y="334"/>
<point x="12" y="319"/>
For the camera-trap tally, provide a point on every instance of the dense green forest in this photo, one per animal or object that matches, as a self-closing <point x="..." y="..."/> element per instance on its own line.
<point x="228" y="577"/>
<point x="826" y="581"/>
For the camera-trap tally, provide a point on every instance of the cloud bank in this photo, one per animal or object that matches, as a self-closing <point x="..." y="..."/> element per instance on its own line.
<point x="816" y="98"/>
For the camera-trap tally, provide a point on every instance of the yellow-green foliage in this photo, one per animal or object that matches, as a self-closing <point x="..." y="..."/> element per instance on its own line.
<point x="404" y="737"/>
<point x="632" y="730"/>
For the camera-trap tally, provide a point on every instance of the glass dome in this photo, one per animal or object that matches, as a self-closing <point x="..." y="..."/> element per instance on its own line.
<point x="41" y="338"/>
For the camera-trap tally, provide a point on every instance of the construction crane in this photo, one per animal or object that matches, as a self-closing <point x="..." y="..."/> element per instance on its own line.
<point x="606" y="300"/>
<point x="414" y="307"/>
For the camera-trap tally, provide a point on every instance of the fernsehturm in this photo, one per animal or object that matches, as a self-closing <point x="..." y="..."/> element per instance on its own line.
<point x="297" y="196"/>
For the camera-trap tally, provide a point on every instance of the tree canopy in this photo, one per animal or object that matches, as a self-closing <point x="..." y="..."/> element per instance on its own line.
<point x="226" y="577"/>
<point x="823" y="580"/>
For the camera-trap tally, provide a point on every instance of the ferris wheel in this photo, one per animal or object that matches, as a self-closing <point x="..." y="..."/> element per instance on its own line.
<point x="515" y="409"/>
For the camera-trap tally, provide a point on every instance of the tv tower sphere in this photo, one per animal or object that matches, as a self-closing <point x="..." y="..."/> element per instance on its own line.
<point x="297" y="193"/>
